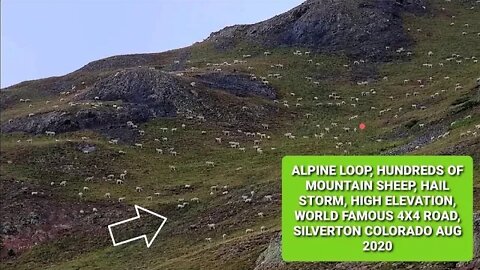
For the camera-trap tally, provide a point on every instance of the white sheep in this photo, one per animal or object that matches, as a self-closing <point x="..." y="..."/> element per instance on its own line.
<point x="107" y="195"/>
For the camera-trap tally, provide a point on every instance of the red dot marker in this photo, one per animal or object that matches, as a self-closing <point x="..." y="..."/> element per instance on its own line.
<point x="362" y="126"/>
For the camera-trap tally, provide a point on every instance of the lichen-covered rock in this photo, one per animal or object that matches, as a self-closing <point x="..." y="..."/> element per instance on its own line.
<point x="271" y="258"/>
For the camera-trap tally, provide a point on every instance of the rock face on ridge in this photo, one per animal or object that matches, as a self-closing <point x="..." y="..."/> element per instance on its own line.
<point x="355" y="27"/>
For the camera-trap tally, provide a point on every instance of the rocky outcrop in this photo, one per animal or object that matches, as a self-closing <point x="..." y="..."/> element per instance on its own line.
<point x="142" y="94"/>
<point x="271" y="258"/>
<point x="161" y="92"/>
<point x="356" y="27"/>
<point x="237" y="84"/>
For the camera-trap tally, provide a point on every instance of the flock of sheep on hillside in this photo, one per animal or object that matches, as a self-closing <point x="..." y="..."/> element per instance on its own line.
<point x="420" y="96"/>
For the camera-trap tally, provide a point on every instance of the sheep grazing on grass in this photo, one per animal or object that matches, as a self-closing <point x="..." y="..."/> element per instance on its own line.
<point x="138" y="189"/>
<point x="172" y="168"/>
<point x="210" y="163"/>
<point x="182" y="206"/>
<point x="249" y="231"/>
<point x="121" y="199"/>
<point x="113" y="141"/>
<point x="211" y="226"/>
<point x="107" y="195"/>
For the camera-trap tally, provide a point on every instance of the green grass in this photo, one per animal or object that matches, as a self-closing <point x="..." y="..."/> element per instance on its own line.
<point x="44" y="160"/>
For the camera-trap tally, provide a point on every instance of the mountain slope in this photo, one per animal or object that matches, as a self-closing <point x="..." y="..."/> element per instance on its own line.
<point x="423" y="99"/>
<point x="357" y="28"/>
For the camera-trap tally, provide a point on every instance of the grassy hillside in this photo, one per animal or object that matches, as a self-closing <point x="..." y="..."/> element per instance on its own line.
<point x="182" y="244"/>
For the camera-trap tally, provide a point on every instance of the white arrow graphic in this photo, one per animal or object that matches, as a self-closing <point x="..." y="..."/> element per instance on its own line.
<point x="144" y="236"/>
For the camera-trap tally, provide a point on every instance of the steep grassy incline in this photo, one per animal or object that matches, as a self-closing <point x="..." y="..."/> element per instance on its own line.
<point x="424" y="101"/>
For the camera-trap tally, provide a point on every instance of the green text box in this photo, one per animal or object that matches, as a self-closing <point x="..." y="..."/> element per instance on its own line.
<point x="308" y="248"/>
